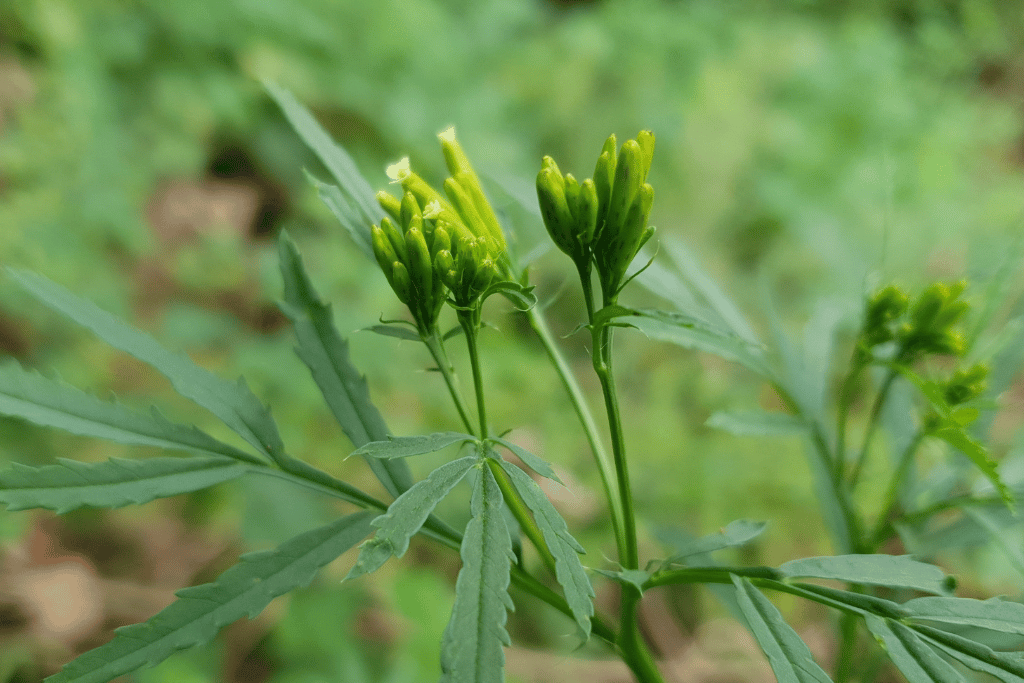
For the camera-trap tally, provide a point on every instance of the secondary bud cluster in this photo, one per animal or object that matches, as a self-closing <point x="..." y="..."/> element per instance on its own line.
<point x="966" y="384"/>
<point x="602" y="220"/>
<point x="924" y="326"/>
<point x="447" y="242"/>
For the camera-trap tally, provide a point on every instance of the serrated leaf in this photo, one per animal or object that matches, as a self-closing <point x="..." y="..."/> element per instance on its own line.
<point x="325" y="353"/>
<point x="396" y="331"/>
<point x="756" y="423"/>
<point x="534" y="462"/>
<point x="788" y="655"/>
<point x="52" y="403"/>
<point x="911" y="655"/>
<point x="978" y="454"/>
<point x="690" y="332"/>
<point x="405" y="446"/>
<point x="232" y="402"/>
<point x="734" y="534"/>
<point x="994" y="614"/>
<point x="334" y="157"/>
<point x="471" y="651"/>
<point x="201" y="611"/>
<point x="113" y="483"/>
<point x="351" y="219"/>
<point x="407" y="514"/>
<point x="893" y="571"/>
<point x="566" y="550"/>
<point x="709" y="289"/>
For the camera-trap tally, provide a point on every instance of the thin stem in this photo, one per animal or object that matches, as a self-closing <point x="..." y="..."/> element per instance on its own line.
<point x="892" y="493"/>
<point x="847" y="647"/>
<point x="435" y="345"/>
<point x="843" y="409"/>
<point x="470" y="325"/>
<point x="605" y="466"/>
<point x="876" y="411"/>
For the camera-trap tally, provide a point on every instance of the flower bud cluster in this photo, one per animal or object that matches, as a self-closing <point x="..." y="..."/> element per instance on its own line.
<point x="601" y="220"/>
<point x="451" y="242"/>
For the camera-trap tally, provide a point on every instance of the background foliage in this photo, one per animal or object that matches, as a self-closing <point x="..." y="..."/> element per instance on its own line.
<point x="801" y="148"/>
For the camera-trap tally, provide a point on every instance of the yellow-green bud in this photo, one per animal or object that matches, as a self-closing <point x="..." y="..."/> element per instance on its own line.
<point x="464" y="207"/>
<point x="471" y="185"/>
<point x="401" y="283"/>
<point x="587" y="213"/>
<point x="444" y="268"/>
<point x="604" y="178"/>
<point x="390" y="204"/>
<point x="572" y="195"/>
<point x="645" y="139"/>
<point x="382" y="251"/>
<point x="454" y="157"/>
<point x="394" y="236"/>
<point x="441" y="242"/>
<point x="409" y="209"/>
<point x="628" y="178"/>
<point x="419" y="263"/>
<point x="555" y="210"/>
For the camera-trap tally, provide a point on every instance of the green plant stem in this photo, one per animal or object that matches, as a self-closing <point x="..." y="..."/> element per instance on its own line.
<point x="892" y="493"/>
<point x="845" y="661"/>
<point x="869" y="432"/>
<point x="843" y="409"/>
<point x="470" y="326"/>
<point x="632" y="646"/>
<point x="605" y="466"/>
<point x="435" y="345"/>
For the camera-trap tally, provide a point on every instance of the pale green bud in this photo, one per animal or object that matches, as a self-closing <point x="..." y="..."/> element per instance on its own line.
<point x="390" y="204"/>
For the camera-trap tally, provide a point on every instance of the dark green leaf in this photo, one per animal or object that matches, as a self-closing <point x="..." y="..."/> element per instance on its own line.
<point x="110" y="484"/>
<point x="756" y="423"/>
<point x="232" y="402"/>
<point x="407" y="514"/>
<point x="52" y="403"/>
<point x="325" y="352"/>
<point x="565" y="549"/>
<point x="1005" y="666"/>
<point x="995" y="614"/>
<point x="789" y="656"/>
<point x="396" y="331"/>
<point x="911" y="655"/>
<point x="404" y="446"/>
<point x="201" y="611"/>
<point x="734" y="534"/>
<point x="875" y="570"/>
<point x="471" y="651"/>
<point x="534" y="462"/>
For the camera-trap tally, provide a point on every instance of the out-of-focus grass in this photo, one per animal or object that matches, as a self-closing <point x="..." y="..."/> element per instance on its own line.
<point x="798" y="149"/>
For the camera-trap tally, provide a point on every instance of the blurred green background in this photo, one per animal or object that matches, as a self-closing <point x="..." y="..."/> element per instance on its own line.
<point x="804" y="148"/>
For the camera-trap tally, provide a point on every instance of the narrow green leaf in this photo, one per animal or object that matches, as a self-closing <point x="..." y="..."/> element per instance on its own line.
<point x="1005" y="666"/>
<point x="51" y="403"/>
<point x="756" y="423"/>
<point x="396" y="331"/>
<point x="471" y="651"/>
<point x="407" y="514"/>
<point x="911" y="655"/>
<point x="404" y="446"/>
<point x="232" y="402"/>
<point x="114" y="483"/>
<point x="956" y="437"/>
<point x="325" y="352"/>
<point x="522" y="298"/>
<point x="995" y="614"/>
<point x="893" y="571"/>
<point x="566" y="550"/>
<point x="534" y="462"/>
<point x="334" y="157"/>
<point x="734" y="534"/>
<point x="789" y="656"/>
<point x="201" y="611"/>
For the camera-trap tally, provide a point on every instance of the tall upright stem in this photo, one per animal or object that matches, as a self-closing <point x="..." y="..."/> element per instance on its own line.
<point x="433" y="342"/>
